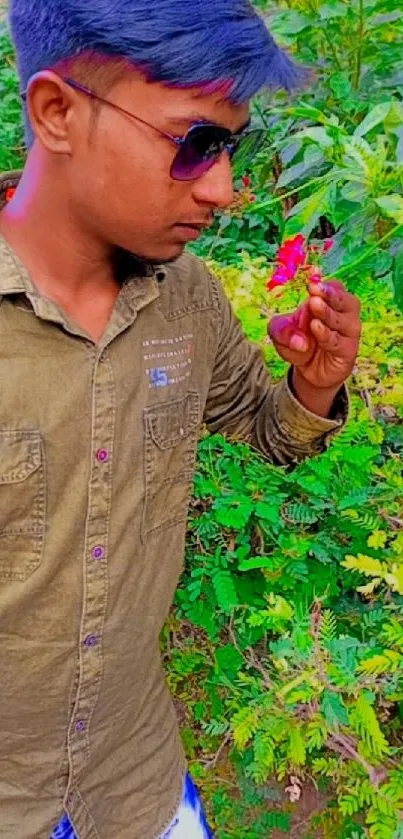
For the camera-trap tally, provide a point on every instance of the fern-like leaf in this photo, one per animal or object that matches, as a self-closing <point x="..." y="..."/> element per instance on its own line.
<point x="225" y="592"/>
<point x="364" y="721"/>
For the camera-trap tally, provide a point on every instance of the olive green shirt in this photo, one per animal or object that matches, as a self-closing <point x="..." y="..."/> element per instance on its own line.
<point x="97" y="453"/>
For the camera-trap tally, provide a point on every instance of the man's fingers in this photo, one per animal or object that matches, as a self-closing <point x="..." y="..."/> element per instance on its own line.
<point x="328" y="339"/>
<point x="291" y="331"/>
<point x="346" y="323"/>
<point x="304" y="318"/>
<point x="336" y="296"/>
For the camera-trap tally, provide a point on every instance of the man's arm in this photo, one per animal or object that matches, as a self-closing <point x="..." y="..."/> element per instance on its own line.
<point x="244" y="403"/>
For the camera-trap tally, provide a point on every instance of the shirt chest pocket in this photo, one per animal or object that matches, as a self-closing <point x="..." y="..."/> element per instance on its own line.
<point x="22" y="503"/>
<point x="171" y="434"/>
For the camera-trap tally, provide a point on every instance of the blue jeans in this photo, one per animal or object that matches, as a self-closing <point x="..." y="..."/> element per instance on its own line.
<point x="189" y="823"/>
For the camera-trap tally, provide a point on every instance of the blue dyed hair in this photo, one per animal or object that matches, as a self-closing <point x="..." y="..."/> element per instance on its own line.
<point x="176" y="42"/>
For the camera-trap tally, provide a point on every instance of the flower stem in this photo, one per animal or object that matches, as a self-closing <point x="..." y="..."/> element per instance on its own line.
<point x="321" y="179"/>
<point x="346" y="268"/>
<point x="357" y="75"/>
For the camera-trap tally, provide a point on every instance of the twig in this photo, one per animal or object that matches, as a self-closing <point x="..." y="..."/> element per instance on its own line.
<point x="395" y="523"/>
<point x="251" y="659"/>
<point x="342" y="744"/>
<point x="212" y="763"/>
<point x="257" y="664"/>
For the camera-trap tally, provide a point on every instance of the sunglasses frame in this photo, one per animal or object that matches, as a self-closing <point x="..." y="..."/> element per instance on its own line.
<point x="229" y="142"/>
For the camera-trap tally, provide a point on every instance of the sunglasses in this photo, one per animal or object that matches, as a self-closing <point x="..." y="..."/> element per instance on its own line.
<point x="201" y="147"/>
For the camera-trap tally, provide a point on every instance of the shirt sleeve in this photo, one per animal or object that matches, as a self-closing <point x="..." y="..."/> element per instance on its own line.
<point x="244" y="403"/>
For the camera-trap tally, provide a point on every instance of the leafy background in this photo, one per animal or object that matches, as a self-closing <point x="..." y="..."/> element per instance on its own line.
<point x="284" y="648"/>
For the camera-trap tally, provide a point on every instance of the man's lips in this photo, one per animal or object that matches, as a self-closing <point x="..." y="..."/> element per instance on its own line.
<point x="191" y="230"/>
<point x="198" y="225"/>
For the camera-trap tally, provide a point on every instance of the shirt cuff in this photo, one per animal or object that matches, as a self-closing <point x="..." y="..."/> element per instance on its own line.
<point x="302" y="425"/>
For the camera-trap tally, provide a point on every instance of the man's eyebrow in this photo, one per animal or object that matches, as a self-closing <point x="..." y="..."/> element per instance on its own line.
<point x="199" y="119"/>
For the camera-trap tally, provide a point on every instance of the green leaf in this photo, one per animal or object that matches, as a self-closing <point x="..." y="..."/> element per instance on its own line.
<point x="305" y="111"/>
<point x="305" y="215"/>
<point x="397" y="277"/>
<point x="392" y="206"/>
<point x="290" y="23"/>
<point x="233" y="512"/>
<point x="341" y="85"/>
<point x="313" y="158"/>
<point x="317" y="134"/>
<point x="375" y="116"/>
<point x="300" y="514"/>
<point x="268" y="512"/>
<point x="334" y="709"/>
<point x="255" y="562"/>
<point x="225" y="592"/>
<point x="228" y="659"/>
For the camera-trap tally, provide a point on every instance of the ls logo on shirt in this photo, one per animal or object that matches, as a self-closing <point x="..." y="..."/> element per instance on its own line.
<point x="174" y="357"/>
<point x="158" y="377"/>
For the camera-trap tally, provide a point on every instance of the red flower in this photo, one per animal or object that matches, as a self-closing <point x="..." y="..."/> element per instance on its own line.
<point x="328" y="244"/>
<point x="252" y="198"/>
<point x="280" y="277"/>
<point x="10" y="192"/>
<point x="292" y="253"/>
<point x="313" y="274"/>
<point x="246" y="181"/>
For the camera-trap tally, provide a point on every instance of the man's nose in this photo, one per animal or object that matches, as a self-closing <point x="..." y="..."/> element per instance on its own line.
<point x="216" y="187"/>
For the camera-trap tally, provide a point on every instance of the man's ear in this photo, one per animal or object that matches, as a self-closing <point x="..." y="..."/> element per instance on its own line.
<point x="51" y="103"/>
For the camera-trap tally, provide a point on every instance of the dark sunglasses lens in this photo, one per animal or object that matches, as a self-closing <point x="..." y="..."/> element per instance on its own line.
<point x="202" y="147"/>
<point x="246" y="149"/>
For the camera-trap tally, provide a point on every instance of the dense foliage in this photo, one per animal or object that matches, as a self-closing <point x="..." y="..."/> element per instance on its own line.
<point x="285" y="646"/>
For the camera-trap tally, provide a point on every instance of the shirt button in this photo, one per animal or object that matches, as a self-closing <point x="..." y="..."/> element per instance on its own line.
<point x="98" y="552"/>
<point x="80" y="725"/>
<point x="102" y="455"/>
<point x="91" y="641"/>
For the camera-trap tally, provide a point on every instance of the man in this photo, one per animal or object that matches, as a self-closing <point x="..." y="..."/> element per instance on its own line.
<point x="114" y="347"/>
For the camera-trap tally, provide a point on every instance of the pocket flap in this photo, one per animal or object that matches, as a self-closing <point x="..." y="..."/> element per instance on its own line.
<point x="173" y="421"/>
<point x="20" y="455"/>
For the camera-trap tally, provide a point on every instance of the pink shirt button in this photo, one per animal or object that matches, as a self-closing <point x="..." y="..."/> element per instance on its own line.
<point x="91" y="641"/>
<point x="102" y="455"/>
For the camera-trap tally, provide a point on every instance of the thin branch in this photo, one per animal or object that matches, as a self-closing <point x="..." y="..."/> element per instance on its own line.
<point x="257" y="664"/>
<point x="344" y="746"/>
<point x="212" y="763"/>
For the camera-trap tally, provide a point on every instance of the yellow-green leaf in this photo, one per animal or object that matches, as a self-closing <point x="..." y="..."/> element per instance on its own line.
<point x="395" y="579"/>
<point x="244" y="724"/>
<point x="296" y="750"/>
<point x="392" y="206"/>
<point x="365" y="564"/>
<point x="377" y="539"/>
<point x="387" y="662"/>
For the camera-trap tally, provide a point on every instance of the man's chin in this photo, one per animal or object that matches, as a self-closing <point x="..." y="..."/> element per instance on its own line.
<point x="128" y="262"/>
<point x="164" y="258"/>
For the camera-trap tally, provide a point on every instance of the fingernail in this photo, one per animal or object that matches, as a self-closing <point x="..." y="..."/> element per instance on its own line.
<point x="298" y="343"/>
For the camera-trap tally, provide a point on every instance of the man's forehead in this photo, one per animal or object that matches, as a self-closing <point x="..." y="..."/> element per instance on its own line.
<point x="201" y="106"/>
<point x="181" y="105"/>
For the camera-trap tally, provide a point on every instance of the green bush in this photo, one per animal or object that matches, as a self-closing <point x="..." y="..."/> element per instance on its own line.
<point x="284" y="649"/>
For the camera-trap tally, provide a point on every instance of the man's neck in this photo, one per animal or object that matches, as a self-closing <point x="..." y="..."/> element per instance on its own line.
<point x="64" y="262"/>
